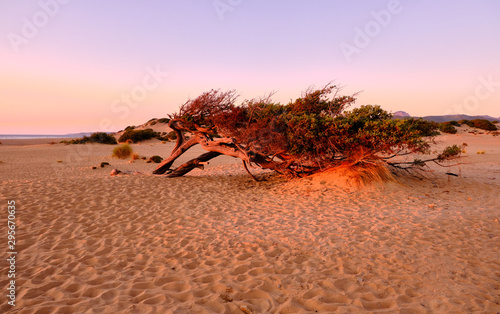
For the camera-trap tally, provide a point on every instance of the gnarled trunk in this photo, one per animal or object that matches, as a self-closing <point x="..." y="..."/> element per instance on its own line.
<point x="215" y="147"/>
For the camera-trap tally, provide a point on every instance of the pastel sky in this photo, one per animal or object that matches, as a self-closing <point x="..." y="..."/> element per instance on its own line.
<point x="74" y="66"/>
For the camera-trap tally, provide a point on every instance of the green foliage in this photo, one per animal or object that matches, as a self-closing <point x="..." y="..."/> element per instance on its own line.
<point x="447" y="128"/>
<point x="137" y="135"/>
<point x="450" y="152"/>
<point x="122" y="151"/>
<point x="454" y="123"/>
<point x="99" y="137"/>
<point x="482" y="124"/>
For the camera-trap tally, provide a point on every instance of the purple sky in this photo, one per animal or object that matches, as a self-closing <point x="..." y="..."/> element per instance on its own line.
<point x="73" y="66"/>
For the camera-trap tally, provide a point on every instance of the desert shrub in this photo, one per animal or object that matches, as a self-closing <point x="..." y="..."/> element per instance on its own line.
<point x="130" y="128"/>
<point x="450" y="152"/>
<point x="98" y="137"/>
<point x="137" y="135"/>
<point x="482" y="124"/>
<point x="122" y="151"/>
<point x="463" y="121"/>
<point x="447" y="128"/>
<point x="156" y="159"/>
<point x="164" y="120"/>
<point x="454" y="123"/>
<point x="171" y="136"/>
<point x="102" y="138"/>
<point x="153" y="123"/>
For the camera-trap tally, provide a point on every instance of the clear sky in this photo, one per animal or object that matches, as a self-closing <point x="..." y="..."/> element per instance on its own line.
<point x="72" y="66"/>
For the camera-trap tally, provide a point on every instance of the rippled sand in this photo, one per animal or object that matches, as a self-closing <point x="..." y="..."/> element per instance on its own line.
<point x="216" y="241"/>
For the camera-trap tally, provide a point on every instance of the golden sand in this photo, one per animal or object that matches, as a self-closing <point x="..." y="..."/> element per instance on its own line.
<point x="217" y="242"/>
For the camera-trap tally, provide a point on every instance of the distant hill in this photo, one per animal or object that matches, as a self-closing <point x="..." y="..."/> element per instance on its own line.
<point x="445" y="118"/>
<point x="458" y="117"/>
<point x="401" y="114"/>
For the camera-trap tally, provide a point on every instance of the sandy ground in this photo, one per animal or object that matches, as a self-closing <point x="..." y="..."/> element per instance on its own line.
<point x="217" y="242"/>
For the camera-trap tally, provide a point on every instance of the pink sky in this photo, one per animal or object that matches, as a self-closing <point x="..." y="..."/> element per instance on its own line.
<point x="78" y="67"/>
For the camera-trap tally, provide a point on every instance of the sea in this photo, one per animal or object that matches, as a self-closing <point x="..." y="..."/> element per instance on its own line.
<point x="34" y="136"/>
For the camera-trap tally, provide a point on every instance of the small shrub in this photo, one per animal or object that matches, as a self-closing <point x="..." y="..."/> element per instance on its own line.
<point x="122" y="151"/>
<point x="481" y="152"/>
<point x="482" y="124"/>
<point x="135" y="156"/>
<point x="463" y="121"/>
<point x="153" y="123"/>
<point x="130" y="128"/>
<point x="156" y="159"/>
<point x="447" y="128"/>
<point x="450" y="152"/>
<point x="164" y="120"/>
<point x="138" y="135"/>
<point x="172" y="136"/>
<point x="454" y="123"/>
<point x="103" y="164"/>
<point x="103" y="138"/>
<point x="99" y="137"/>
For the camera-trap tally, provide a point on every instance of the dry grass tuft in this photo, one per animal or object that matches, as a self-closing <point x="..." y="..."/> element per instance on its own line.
<point x="122" y="151"/>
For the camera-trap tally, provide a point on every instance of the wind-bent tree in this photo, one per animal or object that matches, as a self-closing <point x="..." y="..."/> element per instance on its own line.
<point x="311" y="134"/>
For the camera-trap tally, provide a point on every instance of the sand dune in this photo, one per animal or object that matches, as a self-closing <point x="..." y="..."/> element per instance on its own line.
<point x="217" y="242"/>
